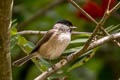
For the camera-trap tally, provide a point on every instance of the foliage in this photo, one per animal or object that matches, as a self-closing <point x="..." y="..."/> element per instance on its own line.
<point x="21" y="45"/>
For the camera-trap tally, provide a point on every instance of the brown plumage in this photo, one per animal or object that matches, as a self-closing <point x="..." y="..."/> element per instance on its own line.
<point x="52" y="44"/>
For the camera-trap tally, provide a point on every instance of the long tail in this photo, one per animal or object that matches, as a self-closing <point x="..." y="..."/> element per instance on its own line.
<point x="21" y="61"/>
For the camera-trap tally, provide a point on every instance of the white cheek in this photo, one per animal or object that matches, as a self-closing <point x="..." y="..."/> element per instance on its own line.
<point x="64" y="37"/>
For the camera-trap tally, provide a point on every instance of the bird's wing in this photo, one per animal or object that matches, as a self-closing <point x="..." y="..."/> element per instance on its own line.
<point x="44" y="39"/>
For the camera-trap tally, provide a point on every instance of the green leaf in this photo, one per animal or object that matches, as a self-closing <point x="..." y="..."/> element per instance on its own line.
<point x="109" y="27"/>
<point x="79" y="63"/>
<point x="82" y="40"/>
<point x="14" y="38"/>
<point x="72" y="49"/>
<point x="13" y="31"/>
<point x="22" y="41"/>
<point x="13" y="43"/>
<point x="86" y="58"/>
<point x="40" y="65"/>
<point x="85" y="35"/>
<point x="27" y="47"/>
<point x="112" y="28"/>
<point x="14" y="23"/>
<point x="117" y="30"/>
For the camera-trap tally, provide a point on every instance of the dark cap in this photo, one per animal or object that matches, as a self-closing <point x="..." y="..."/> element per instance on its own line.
<point x="65" y="22"/>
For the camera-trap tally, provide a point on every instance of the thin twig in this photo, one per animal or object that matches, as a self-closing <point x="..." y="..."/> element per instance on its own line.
<point x="87" y="47"/>
<point x="115" y="8"/>
<point x="83" y="11"/>
<point x="109" y="12"/>
<point x="114" y="41"/>
<point x="93" y="20"/>
<point x="31" y="32"/>
<point x="75" y="55"/>
<point x="108" y="7"/>
<point x="95" y="31"/>
<point x="102" y="21"/>
<point x="39" y="13"/>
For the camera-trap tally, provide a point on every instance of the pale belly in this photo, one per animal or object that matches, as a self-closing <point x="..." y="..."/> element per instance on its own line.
<point x="55" y="47"/>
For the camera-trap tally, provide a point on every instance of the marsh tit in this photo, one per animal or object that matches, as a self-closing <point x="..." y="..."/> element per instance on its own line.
<point x="52" y="44"/>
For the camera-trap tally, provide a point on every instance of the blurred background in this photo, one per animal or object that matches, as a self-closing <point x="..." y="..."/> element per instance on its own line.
<point x="41" y="15"/>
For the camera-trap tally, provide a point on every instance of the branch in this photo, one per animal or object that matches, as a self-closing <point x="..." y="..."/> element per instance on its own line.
<point x="87" y="46"/>
<point x="108" y="13"/>
<point x="108" y="7"/>
<point x="44" y="32"/>
<point x="39" y="13"/>
<point x="5" y="23"/>
<point x="114" y="41"/>
<point x="31" y="32"/>
<point x="75" y="55"/>
<point x="115" y="8"/>
<point x="102" y="21"/>
<point x="100" y="24"/>
<point x="83" y="11"/>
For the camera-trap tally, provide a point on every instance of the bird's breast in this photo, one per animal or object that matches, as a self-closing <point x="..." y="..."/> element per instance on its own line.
<point x="55" y="46"/>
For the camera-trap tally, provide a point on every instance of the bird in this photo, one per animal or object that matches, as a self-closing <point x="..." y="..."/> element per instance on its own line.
<point x="52" y="44"/>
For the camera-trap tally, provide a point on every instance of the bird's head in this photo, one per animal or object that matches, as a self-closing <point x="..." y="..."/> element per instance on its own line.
<point x="64" y="25"/>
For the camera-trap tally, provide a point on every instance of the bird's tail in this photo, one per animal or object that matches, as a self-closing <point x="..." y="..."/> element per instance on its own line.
<point x="21" y="61"/>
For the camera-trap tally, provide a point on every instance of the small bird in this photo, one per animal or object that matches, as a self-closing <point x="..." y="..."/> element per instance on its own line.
<point x="52" y="44"/>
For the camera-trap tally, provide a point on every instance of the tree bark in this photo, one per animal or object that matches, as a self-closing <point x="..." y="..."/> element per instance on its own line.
<point x="5" y="23"/>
